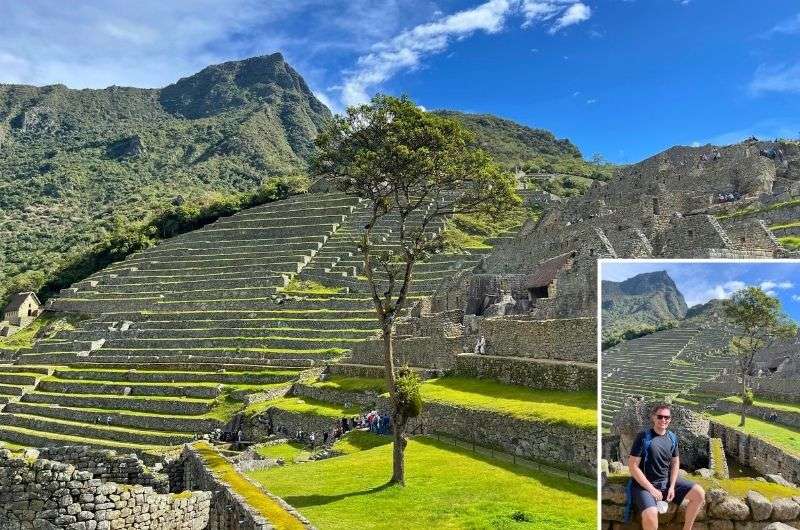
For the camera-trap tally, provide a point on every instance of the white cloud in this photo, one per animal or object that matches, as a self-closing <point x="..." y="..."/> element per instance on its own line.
<point x="591" y="101"/>
<point x="796" y="297"/>
<point x="771" y="285"/>
<point x="406" y="50"/>
<point x="409" y="48"/>
<point x="766" y="130"/>
<point x="786" y="27"/>
<point x="776" y="78"/>
<point x="575" y="14"/>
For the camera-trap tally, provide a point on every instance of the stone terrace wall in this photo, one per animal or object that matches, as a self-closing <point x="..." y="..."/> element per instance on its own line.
<point x="784" y="417"/>
<point x="228" y="510"/>
<point x="552" y="444"/>
<point x="45" y="494"/>
<point x="720" y="512"/>
<point x="757" y="453"/>
<point x="105" y="464"/>
<point x="571" y="339"/>
<point x="549" y="443"/>
<point x="774" y="387"/>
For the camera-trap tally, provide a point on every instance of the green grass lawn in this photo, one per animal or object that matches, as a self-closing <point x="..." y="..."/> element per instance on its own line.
<point x="288" y="451"/>
<point x="777" y="405"/>
<point x="356" y="441"/>
<point x="447" y="488"/>
<point x="27" y="336"/>
<point x="788" y="438"/>
<point x="304" y="406"/>
<point x="578" y="409"/>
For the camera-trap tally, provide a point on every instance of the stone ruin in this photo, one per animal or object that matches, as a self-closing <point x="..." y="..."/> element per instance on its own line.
<point x="80" y="488"/>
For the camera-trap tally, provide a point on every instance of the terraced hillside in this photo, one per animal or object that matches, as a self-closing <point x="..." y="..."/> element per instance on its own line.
<point x="665" y="362"/>
<point x="176" y="335"/>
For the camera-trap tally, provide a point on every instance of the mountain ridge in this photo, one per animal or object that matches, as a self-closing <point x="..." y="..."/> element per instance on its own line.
<point x="648" y="299"/>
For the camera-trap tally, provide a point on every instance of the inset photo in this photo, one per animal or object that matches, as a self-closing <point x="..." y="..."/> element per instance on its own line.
<point x="700" y="393"/>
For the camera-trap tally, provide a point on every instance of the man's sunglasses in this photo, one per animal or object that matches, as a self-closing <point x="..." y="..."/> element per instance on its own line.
<point x="662" y="417"/>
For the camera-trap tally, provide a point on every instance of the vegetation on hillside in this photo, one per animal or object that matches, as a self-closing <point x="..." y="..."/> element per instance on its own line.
<point x="76" y="166"/>
<point x="639" y="330"/>
<point x="129" y="236"/>
<point x="537" y="152"/>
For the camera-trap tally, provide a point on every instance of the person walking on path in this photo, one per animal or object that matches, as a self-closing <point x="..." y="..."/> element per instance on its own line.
<point x="654" y="463"/>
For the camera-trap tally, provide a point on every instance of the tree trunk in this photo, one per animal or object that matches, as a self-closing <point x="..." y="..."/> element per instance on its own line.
<point x="398" y="424"/>
<point x="744" y="397"/>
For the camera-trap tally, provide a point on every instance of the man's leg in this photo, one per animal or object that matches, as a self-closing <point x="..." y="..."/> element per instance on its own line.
<point x="695" y="499"/>
<point x="650" y="518"/>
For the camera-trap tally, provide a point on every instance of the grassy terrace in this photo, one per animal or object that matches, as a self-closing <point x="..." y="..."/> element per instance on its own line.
<point x="27" y="336"/>
<point x="224" y="471"/>
<point x="777" y="405"/>
<point x="786" y="438"/>
<point x="304" y="406"/>
<point x="752" y="210"/>
<point x="447" y="488"/>
<point x="577" y="409"/>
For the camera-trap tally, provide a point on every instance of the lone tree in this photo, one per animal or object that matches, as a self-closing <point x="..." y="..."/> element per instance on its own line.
<point x="415" y="169"/>
<point x="761" y="321"/>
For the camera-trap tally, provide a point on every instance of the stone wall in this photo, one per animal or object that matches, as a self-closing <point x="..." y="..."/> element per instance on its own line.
<point x="40" y="493"/>
<point x="228" y="510"/>
<point x="557" y="445"/>
<point x="756" y="453"/>
<point x="774" y="387"/>
<point x="108" y="466"/>
<point x="784" y="417"/>
<point x="540" y="374"/>
<point x="569" y="339"/>
<point x="257" y="428"/>
<point x="720" y="512"/>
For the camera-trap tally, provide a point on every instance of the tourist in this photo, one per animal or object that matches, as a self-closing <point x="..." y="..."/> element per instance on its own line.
<point x="312" y="440"/>
<point x="654" y="463"/>
<point x="480" y="346"/>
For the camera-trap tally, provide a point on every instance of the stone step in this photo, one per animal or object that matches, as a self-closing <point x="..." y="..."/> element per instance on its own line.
<point x="170" y="360"/>
<point x="266" y="332"/>
<point x="158" y="286"/>
<point x="158" y="405"/>
<point x="125" y="419"/>
<point x="129" y="389"/>
<point x="32" y="438"/>
<point x="364" y="324"/>
<point x="104" y="432"/>
<point x="298" y="344"/>
<point x="168" y="376"/>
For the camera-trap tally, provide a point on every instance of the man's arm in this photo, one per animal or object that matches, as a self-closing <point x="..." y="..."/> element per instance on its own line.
<point x="638" y="476"/>
<point x="673" y="477"/>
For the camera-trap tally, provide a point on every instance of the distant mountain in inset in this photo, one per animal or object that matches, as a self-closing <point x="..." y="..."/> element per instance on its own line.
<point x="646" y="300"/>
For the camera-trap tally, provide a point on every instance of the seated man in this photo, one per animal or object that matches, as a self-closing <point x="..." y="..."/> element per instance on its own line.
<point x="654" y="464"/>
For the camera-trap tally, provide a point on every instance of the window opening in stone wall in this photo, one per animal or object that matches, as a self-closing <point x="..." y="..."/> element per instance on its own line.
<point x="535" y="293"/>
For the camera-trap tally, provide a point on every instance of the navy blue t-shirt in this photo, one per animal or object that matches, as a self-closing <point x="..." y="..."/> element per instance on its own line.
<point x="659" y="461"/>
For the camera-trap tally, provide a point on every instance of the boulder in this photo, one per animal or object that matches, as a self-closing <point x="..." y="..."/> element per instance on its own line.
<point x="730" y="508"/>
<point x="759" y="506"/>
<point x="785" y="510"/>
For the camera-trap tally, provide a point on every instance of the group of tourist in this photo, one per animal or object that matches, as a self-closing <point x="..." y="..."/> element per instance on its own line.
<point x="728" y="197"/>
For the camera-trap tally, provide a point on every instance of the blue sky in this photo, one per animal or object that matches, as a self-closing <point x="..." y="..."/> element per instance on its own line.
<point x="623" y="78"/>
<point x="700" y="282"/>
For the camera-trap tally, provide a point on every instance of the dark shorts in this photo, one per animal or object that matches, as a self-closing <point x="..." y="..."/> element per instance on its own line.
<point x="643" y="500"/>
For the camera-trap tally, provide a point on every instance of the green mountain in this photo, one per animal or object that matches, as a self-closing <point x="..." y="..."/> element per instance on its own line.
<point x="73" y="161"/>
<point x="510" y="143"/>
<point x="646" y="300"/>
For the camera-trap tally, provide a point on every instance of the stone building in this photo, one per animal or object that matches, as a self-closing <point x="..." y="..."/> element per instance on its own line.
<point x="20" y="311"/>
